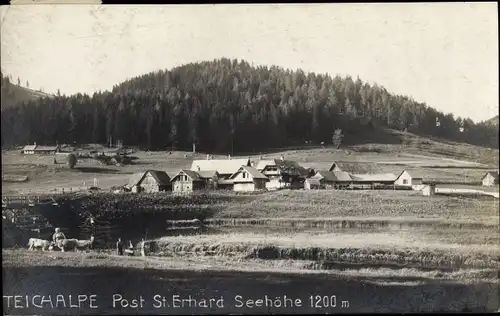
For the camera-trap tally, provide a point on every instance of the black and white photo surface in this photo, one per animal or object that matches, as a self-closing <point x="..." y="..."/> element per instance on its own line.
<point x="249" y="158"/>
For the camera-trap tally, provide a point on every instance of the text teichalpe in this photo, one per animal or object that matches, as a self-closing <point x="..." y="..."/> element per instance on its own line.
<point x="50" y="301"/>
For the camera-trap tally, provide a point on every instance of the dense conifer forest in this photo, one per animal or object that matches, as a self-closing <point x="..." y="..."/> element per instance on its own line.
<point x="229" y="106"/>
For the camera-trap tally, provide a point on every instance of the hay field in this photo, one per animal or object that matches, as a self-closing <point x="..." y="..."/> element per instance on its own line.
<point x="381" y="204"/>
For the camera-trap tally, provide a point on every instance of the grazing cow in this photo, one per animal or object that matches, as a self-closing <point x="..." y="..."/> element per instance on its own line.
<point x="75" y="244"/>
<point x="38" y="243"/>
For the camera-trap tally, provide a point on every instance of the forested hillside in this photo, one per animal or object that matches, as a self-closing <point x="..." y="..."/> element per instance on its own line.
<point x="225" y="105"/>
<point x="13" y="94"/>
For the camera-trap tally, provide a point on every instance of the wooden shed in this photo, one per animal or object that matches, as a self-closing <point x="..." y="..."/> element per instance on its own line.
<point x="150" y="181"/>
<point x="186" y="181"/>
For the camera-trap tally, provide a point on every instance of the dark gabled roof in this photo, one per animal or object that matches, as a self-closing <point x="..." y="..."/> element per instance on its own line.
<point x="356" y="167"/>
<point x="192" y="174"/>
<point x="333" y="176"/>
<point x="160" y="176"/>
<point x="288" y="167"/>
<point x="494" y="174"/>
<point x="256" y="174"/>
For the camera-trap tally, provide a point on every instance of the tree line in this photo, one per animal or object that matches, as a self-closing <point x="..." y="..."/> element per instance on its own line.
<point x="228" y="105"/>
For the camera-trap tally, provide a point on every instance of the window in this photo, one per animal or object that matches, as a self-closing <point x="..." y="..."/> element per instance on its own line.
<point x="405" y="181"/>
<point x="244" y="175"/>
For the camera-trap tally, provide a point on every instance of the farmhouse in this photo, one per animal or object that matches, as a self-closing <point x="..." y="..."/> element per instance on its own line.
<point x="490" y="179"/>
<point x="333" y="179"/>
<point x="248" y="179"/>
<point x="187" y="181"/>
<point x="282" y="173"/>
<point x="149" y="181"/>
<point x="224" y="167"/>
<point x="408" y="179"/>
<point x="40" y="150"/>
<point x="354" y="167"/>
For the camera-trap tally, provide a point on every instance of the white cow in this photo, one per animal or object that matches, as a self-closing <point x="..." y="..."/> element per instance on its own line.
<point x="38" y="243"/>
<point x="76" y="244"/>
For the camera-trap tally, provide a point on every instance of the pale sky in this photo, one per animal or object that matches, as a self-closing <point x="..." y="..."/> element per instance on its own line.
<point x="444" y="54"/>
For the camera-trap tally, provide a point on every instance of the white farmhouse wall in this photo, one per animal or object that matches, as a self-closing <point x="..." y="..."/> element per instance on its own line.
<point x="149" y="184"/>
<point x="183" y="186"/>
<point x="404" y="179"/>
<point x="275" y="184"/>
<point x="244" y="187"/>
<point x="488" y="180"/>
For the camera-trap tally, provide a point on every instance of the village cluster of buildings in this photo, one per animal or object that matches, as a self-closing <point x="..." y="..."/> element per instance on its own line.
<point x="267" y="174"/>
<point x="243" y="175"/>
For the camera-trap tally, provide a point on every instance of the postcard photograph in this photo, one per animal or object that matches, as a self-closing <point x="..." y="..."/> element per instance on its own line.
<point x="250" y="158"/>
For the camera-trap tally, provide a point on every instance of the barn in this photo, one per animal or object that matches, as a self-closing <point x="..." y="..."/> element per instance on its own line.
<point x="224" y="167"/>
<point x="150" y="181"/>
<point x="186" y="181"/>
<point x="29" y="149"/>
<point x="490" y="179"/>
<point x="408" y="179"/>
<point x="371" y="181"/>
<point x="333" y="179"/>
<point x="46" y="150"/>
<point x="248" y="179"/>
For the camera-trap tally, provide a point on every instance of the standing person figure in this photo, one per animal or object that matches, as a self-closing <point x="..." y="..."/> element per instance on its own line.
<point x="143" y="245"/>
<point x="58" y="238"/>
<point x="119" y="247"/>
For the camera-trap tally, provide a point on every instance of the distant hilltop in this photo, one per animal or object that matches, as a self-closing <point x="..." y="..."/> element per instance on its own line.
<point x="13" y="94"/>
<point x="492" y="121"/>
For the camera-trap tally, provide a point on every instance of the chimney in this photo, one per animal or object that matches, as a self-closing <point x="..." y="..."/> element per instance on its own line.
<point x="208" y="157"/>
<point x="229" y="157"/>
<point x="282" y="157"/>
<point x="34" y="143"/>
